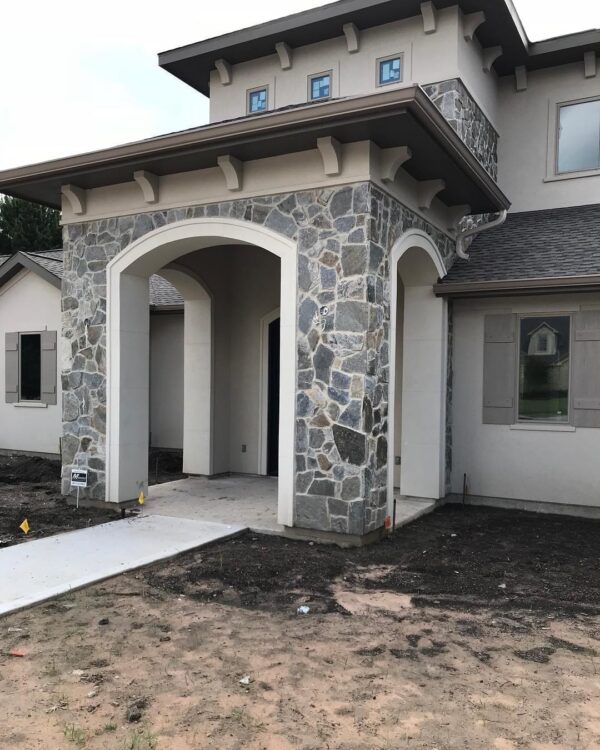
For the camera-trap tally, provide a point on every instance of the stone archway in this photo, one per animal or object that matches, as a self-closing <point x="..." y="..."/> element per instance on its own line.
<point x="415" y="265"/>
<point x="127" y="346"/>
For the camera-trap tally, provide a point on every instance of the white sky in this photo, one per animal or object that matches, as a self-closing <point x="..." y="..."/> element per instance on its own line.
<point x="78" y="76"/>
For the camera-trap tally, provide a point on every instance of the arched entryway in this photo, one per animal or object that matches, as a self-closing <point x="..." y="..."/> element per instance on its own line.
<point x="127" y="347"/>
<point x="418" y="370"/>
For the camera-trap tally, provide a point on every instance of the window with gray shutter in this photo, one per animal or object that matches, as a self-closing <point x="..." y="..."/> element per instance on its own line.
<point x="586" y="369"/>
<point x="48" y="367"/>
<point x="11" y="367"/>
<point x="499" y="368"/>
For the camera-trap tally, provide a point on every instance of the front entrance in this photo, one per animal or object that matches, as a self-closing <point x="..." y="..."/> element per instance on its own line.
<point x="273" y="399"/>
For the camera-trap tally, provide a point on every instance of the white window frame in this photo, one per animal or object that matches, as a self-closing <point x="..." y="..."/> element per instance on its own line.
<point x="552" y="173"/>
<point x="312" y="77"/>
<point x="386" y="58"/>
<point x="568" y="423"/>
<point x="255" y="90"/>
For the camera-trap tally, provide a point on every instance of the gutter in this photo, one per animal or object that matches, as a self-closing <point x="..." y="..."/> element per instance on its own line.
<point x="463" y="236"/>
<point x="517" y="287"/>
<point x="297" y="120"/>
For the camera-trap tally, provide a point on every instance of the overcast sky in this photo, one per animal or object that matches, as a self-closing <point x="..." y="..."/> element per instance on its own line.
<point x="77" y="76"/>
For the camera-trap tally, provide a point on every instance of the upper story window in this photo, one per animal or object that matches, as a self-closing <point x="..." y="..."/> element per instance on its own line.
<point x="389" y="70"/>
<point x="319" y="87"/>
<point x="579" y="137"/>
<point x="258" y="100"/>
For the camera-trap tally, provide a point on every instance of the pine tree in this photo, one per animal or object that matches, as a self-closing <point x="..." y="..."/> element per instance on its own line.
<point x="27" y="226"/>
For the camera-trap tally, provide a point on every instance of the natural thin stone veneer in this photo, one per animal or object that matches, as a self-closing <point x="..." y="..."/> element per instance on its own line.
<point x="344" y="237"/>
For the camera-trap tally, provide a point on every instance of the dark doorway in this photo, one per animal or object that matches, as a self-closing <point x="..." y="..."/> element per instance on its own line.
<point x="273" y="403"/>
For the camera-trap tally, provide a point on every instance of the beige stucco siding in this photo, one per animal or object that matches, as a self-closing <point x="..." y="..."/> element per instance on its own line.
<point x="557" y="464"/>
<point x="29" y="304"/>
<point x="428" y="58"/>
<point x="528" y="139"/>
<point x="166" y="381"/>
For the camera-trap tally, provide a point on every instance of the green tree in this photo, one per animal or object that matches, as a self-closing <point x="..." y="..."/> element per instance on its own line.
<point x="27" y="226"/>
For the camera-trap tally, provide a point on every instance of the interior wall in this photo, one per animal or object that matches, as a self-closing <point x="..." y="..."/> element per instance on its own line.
<point x="544" y="463"/>
<point x="244" y="282"/>
<point x="166" y="380"/>
<point x="30" y="304"/>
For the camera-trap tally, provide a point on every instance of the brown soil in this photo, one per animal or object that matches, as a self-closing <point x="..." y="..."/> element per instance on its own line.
<point x="408" y="644"/>
<point x="30" y="489"/>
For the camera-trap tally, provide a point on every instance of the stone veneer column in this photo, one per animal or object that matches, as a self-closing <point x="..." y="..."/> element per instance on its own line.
<point x="344" y="236"/>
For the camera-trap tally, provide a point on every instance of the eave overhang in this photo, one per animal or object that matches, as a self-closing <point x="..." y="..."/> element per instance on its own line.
<point x="193" y="63"/>
<point x="517" y="287"/>
<point x="19" y="262"/>
<point x="403" y="117"/>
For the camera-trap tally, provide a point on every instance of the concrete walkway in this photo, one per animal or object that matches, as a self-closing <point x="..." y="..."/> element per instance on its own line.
<point x="35" y="571"/>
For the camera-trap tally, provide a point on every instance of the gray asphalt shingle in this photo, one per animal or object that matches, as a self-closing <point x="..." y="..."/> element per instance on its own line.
<point x="534" y="245"/>
<point x="162" y="293"/>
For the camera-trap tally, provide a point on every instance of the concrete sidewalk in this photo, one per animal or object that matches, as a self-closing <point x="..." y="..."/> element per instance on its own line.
<point x="35" y="571"/>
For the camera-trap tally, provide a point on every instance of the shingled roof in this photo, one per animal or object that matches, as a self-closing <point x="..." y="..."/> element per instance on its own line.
<point x="162" y="293"/>
<point x="536" y="248"/>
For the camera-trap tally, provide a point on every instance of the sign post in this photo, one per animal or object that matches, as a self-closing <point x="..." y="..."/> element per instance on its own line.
<point x="79" y="478"/>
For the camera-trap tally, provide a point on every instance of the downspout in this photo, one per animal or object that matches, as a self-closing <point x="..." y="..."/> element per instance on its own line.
<point x="466" y="233"/>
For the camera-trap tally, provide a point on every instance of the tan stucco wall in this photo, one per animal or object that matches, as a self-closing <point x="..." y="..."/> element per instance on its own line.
<point x="546" y="464"/>
<point x="29" y="304"/>
<point x="527" y="143"/>
<point x="244" y="283"/>
<point x="166" y="380"/>
<point x="428" y="58"/>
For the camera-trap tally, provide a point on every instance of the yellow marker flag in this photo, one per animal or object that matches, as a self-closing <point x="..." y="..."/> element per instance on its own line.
<point x="141" y="498"/>
<point x="25" y="526"/>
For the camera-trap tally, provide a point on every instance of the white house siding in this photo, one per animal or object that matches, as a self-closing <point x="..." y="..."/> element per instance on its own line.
<point x="166" y="380"/>
<point x="29" y="304"/>
<point x="552" y="464"/>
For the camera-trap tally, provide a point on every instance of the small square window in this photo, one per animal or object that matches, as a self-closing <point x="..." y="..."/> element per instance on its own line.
<point x="30" y="367"/>
<point x="390" y="70"/>
<point x="320" y="87"/>
<point x="544" y="368"/>
<point x="258" y="100"/>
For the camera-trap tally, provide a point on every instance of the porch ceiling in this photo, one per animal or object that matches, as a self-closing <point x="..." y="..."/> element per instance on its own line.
<point x="405" y="117"/>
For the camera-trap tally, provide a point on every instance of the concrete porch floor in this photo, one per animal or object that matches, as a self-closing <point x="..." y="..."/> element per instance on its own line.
<point x="245" y="501"/>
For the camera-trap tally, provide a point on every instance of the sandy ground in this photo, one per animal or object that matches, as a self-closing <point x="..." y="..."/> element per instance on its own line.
<point x="154" y="659"/>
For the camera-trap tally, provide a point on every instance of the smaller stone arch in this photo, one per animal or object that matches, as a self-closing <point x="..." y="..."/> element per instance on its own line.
<point x="419" y="385"/>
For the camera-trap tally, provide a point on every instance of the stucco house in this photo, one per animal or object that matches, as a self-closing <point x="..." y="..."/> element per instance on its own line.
<point x="31" y="412"/>
<point x="336" y="333"/>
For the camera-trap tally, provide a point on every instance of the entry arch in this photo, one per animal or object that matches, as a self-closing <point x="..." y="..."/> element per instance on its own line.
<point x="127" y="345"/>
<point x="416" y="259"/>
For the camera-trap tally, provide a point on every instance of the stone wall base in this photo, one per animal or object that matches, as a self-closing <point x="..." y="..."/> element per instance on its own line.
<point x="333" y="537"/>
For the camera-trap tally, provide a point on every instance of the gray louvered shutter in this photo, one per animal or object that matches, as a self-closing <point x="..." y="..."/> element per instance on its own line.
<point x="585" y="386"/>
<point x="48" y="367"/>
<point x="499" y="369"/>
<point x="11" y="367"/>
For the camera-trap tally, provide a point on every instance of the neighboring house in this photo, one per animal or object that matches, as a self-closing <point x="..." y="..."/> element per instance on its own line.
<point x="31" y="413"/>
<point x="335" y="333"/>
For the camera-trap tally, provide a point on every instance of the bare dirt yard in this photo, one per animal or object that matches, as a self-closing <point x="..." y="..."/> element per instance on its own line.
<point x="30" y="489"/>
<point x="472" y="628"/>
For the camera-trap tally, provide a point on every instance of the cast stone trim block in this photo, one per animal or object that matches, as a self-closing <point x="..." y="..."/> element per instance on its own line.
<point x="233" y="171"/>
<point x="590" y="64"/>
<point x="429" y="13"/>
<point x="149" y="185"/>
<point x="490" y="55"/>
<point x="225" y="72"/>
<point x="471" y="22"/>
<point x="331" y="153"/>
<point x="521" y="78"/>
<point x="285" y="55"/>
<point x="391" y="160"/>
<point x="76" y="197"/>
<point x="426" y="192"/>
<point x="352" y="35"/>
